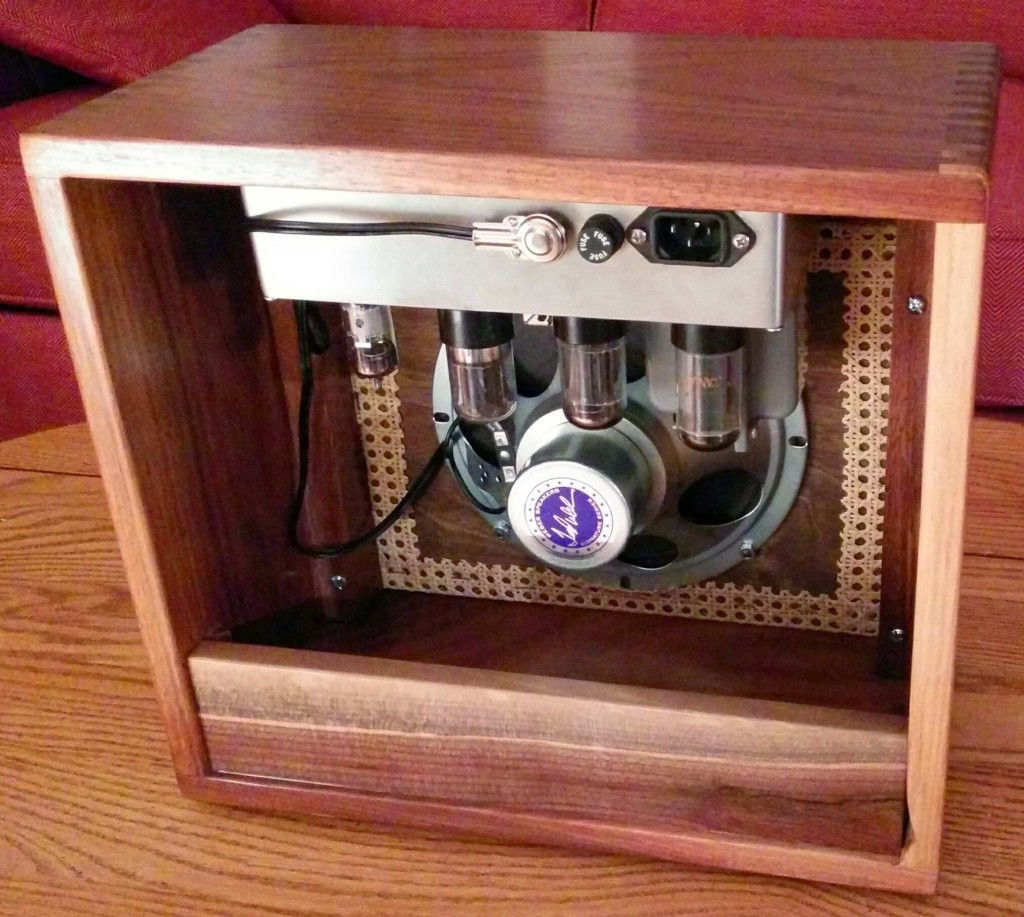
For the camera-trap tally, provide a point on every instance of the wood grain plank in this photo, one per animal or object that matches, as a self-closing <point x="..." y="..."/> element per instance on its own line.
<point x="653" y="651"/>
<point x="989" y="627"/>
<point x="46" y="518"/>
<point x="420" y="113"/>
<point x="996" y="783"/>
<point x="956" y="297"/>
<point x="669" y="800"/>
<point x="995" y="501"/>
<point x="227" y="672"/>
<point x="63" y="450"/>
<point x="908" y="364"/>
<point x="709" y="849"/>
<point x="187" y="435"/>
<point x="638" y="757"/>
<point x="988" y="701"/>
<point x="603" y="888"/>
<point x="984" y="722"/>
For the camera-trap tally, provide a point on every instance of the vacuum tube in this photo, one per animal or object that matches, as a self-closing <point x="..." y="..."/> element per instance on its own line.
<point x="481" y="371"/>
<point x="373" y="339"/>
<point x="592" y="356"/>
<point x="709" y="384"/>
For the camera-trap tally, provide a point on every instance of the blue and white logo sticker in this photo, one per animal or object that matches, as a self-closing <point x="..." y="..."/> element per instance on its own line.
<point x="568" y="517"/>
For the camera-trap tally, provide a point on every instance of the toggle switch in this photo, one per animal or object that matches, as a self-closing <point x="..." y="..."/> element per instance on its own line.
<point x="536" y="237"/>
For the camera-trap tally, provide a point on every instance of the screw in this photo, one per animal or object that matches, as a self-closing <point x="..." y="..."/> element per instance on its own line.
<point x="741" y="241"/>
<point x="917" y="305"/>
<point x="515" y="252"/>
<point x="747" y="550"/>
<point x="637" y="236"/>
<point x="897" y="635"/>
<point x="338" y="582"/>
<point x="502" y="529"/>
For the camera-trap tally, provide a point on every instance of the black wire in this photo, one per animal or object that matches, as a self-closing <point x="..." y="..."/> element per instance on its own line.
<point x="307" y="328"/>
<point x="319" y="335"/>
<point x="463" y="486"/>
<point x="398" y="228"/>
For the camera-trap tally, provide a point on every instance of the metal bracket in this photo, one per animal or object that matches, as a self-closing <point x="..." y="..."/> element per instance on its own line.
<point x="536" y="237"/>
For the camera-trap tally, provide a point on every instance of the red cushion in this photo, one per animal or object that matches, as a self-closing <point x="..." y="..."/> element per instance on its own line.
<point x="24" y="278"/>
<point x="37" y="384"/>
<point x="997" y="21"/>
<point x="117" y="41"/>
<point x="1001" y="351"/>
<point x="1006" y="212"/>
<point x="481" y="14"/>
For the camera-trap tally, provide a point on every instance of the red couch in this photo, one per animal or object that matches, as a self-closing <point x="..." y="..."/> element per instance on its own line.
<point x="55" y="54"/>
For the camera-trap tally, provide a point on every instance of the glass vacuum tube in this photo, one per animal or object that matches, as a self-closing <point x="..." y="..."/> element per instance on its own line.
<point x="373" y="339"/>
<point x="592" y="356"/>
<point x="710" y="369"/>
<point x="481" y="370"/>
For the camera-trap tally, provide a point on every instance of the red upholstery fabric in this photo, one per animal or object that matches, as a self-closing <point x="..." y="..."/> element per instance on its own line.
<point x="1006" y="213"/>
<point x="37" y="384"/>
<point x="24" y="278"/>
<point x="997" y="21"/>
<point x="535" y="14"/>
<point x="1001" y="351"/>
<point x="117" y="41"/>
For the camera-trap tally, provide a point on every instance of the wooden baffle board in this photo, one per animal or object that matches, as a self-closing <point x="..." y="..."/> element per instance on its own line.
<point x="769" y="749"/>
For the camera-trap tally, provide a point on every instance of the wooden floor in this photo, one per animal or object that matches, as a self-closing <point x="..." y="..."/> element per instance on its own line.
<point x="91" y="822"/>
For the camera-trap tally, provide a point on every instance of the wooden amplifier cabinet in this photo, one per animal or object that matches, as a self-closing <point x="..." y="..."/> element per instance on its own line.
<point x="760" y="749"/>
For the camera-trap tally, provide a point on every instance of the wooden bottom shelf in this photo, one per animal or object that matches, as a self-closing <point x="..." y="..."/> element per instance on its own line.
<point x="614" y="721"/>
<point x="643" y="650"/>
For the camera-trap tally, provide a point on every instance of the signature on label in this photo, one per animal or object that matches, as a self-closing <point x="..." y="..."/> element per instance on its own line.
<point x="566" y="521"/>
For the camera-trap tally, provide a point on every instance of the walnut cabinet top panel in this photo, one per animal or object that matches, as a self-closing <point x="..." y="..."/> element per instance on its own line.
<point x="872" y="128"/>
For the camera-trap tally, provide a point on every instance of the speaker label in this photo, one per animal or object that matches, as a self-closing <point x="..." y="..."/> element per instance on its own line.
<point x="568" y="517"/>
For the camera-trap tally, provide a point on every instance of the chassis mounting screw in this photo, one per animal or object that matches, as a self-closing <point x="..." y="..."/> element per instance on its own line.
<point x="916" y="305"/>
<point x="897" y="635"/>
<point x="638" y="236"/>
<point x="338" y="581"/>
<point x="747" y="550"/>
<point x="741" y="241"/>
<point x="502" y="529"/>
